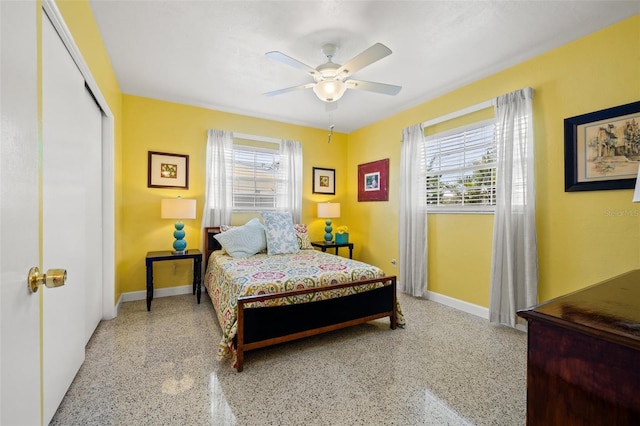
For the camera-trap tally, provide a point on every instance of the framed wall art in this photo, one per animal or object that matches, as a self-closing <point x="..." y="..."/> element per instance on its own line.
<point x="602" y="149"/>
<point x="373" y="181"/>
<point x="324" y="181"/>
<point x="168" y="170"/>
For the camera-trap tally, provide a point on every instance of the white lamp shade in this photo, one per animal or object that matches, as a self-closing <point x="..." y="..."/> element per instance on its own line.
<point x="178" y="208"/>
<point x="636" y="193"/>
<point x="329" y="90"/>
<point x="328" y="210"/>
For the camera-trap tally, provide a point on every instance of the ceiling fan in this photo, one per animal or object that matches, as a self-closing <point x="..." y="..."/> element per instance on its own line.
<point x="331" y="80"/>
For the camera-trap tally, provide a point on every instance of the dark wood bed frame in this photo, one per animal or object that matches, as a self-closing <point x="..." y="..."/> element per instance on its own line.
<point x="266" y="326"/>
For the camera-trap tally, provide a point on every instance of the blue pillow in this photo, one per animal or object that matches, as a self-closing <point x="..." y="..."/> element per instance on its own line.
<point x="243" y="241"/>
<point x="281" y="236"/>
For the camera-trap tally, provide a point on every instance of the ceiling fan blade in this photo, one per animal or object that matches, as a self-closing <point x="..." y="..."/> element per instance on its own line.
<point x="289" y="89"/>
<point x="288" y="60"/>
<point x="370" y="86"/>
<point x="369" y="56"/>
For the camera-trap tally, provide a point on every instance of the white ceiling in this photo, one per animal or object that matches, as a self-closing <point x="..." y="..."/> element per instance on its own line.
<point x="212" y="53"/>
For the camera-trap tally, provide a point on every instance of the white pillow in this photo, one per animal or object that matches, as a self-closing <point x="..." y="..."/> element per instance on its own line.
<point x="243" y="241"/>
<point x="281" y="236"/>
<point x="303" y="236"/>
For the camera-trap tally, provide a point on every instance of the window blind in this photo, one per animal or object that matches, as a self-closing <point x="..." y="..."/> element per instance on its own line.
<point x="461" y="168"/>
<point x="254" y="178"/>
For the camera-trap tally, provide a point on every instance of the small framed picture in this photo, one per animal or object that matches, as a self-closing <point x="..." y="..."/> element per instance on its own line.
<point x="373" y="181"/>
<point x="324" y="181"/>
<point x="168" y="170"/>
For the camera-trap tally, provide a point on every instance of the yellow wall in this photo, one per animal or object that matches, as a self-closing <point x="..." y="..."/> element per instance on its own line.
<point x="152" y="125"/>
<point x="582" y="237"/>
<point x="80" y="21"/>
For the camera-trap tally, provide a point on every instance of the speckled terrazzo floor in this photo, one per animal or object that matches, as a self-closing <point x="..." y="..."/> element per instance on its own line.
<point x="158" y="368"/>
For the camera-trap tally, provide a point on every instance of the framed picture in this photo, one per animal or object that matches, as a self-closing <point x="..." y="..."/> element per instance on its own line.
<point x="373" y="181"/>
<point x="324" y="181"/>
<point x="168" y="170"/>
<point x="602" y="149"/>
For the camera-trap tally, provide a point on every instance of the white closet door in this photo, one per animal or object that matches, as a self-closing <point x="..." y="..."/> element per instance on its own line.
<point x="72" y="218"/>
<point x="91" y="126"/>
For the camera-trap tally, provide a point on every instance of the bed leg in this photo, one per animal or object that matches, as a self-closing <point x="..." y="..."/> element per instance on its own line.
<point x="394" y="316"/>
<point x="239" y="361"/>
<point x="240" y="339"/>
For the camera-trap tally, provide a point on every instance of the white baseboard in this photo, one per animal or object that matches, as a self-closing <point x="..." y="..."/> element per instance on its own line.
<point x="158" y="292"/>
<point x="142" y="295"/>
<point x="461" y="305"/>
<point x="119" y="305"/>
<point x="467" y="307"/>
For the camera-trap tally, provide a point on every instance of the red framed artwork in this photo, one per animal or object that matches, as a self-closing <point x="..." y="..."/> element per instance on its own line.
<point x="373" y="181"/>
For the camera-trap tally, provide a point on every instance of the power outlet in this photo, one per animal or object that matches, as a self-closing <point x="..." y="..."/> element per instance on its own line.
<point x="393" y="263"/>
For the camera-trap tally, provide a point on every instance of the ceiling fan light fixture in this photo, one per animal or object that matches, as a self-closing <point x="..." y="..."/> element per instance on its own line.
<point x="329" y="90"/>
<point x="331" y="80"/>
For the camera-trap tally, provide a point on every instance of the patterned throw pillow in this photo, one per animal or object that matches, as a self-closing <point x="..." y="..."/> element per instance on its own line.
<point x="281" y="236"/>
<point x="243" y="241"/>
<point x="302" y="236"/>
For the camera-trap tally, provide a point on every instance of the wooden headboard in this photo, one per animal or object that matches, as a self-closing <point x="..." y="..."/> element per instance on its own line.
<point x="210" y="243"/>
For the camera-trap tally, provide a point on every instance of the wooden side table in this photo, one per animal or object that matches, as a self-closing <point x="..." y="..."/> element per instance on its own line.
<point x="322" y="245"/>
<point x="159" y="256"/>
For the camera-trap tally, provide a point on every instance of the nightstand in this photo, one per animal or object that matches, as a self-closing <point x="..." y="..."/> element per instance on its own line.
<point x="323" y="245"/>
<point x="159" y="256"/>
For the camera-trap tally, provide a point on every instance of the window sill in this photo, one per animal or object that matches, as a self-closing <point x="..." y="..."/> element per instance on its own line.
<point x="461" y="211"/>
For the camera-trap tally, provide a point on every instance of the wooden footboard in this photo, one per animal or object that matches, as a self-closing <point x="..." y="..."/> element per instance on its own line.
<point x="266" y="326"/>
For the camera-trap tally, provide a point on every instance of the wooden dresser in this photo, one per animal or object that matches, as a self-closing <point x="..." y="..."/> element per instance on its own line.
<point x="583" y="363"/>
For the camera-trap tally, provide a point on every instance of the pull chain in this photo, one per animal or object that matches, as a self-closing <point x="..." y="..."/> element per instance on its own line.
<point x="330" y="133"/>
<point x="330" y="127"/>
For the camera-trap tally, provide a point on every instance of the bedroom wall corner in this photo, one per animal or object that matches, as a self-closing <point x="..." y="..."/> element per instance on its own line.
<point x="581" y="239"/>
<point x="155" y="125"/>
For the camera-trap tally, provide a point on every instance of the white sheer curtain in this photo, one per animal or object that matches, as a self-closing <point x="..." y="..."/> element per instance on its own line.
<point x="413" y="226"/>
<point x="289" y="192"/>
<point x="514" y="269"/>
<point x="219" y="179"/>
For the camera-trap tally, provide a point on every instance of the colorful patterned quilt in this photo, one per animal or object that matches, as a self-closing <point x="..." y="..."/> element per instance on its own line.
<point x="228" y="279"/>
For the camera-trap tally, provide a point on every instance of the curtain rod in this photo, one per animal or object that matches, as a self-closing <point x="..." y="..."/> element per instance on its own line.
<point x="468" y="110"/>
<point x="460" y="113"/>
<point x="256" y="138"/>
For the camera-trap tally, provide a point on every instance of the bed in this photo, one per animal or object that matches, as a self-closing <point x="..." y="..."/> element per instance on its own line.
<point x="263" y="299"/>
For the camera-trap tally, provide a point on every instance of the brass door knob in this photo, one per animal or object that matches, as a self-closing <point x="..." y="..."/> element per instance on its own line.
<point x="53" y="278"/>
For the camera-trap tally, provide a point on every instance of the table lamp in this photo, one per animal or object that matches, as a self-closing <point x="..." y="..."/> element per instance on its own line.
<point x="328" y="211"/>
<point x="178" y="208"/>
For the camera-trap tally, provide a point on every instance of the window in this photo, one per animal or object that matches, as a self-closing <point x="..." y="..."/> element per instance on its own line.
<point x="255" y="178"/>
<point x="461" y="169"/>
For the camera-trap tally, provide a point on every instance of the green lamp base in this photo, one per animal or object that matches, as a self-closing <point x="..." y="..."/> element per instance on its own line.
<point x="180" y="244"/>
